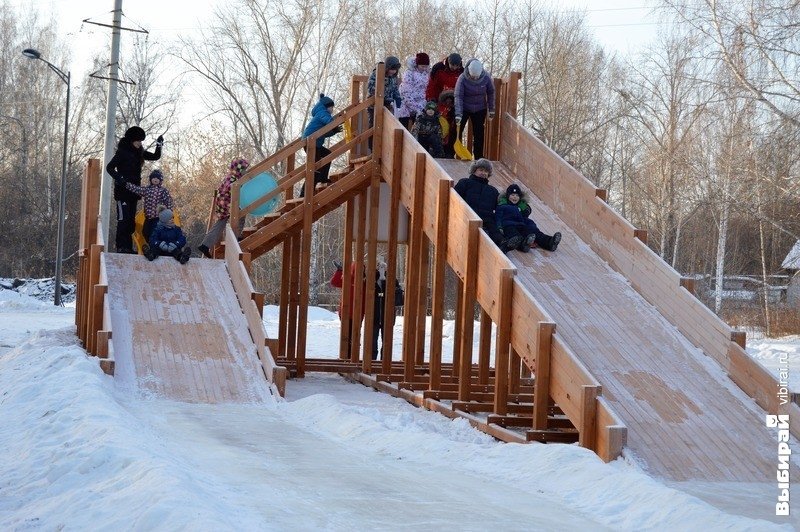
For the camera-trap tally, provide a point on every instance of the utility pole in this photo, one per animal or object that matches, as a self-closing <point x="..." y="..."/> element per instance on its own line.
<point x="111" y="121"/>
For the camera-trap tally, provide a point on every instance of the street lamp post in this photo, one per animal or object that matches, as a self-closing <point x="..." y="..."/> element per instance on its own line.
<point x="35" y="54"/>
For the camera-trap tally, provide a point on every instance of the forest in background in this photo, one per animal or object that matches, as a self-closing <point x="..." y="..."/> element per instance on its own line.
<point x="695" y="138"/>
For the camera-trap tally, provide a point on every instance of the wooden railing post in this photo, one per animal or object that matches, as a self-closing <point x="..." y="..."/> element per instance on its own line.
<point x="391" y="257"/>
<point x="437" y="292"/>
<point x="347" y="282"/>
<point x="484" y="347"/>
<point x="468" y="310"/>
<point x="588" y="422"/>
<point x="413" y="279"/>
<point x="541" y="383"/>
<point x="502" y="348"/>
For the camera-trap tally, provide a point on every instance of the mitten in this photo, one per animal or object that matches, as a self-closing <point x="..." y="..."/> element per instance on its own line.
<point x="160" y="140"/>
<point x="171" y="247"/>
<point x="338" y="129"/>
<point x="163" y="246"/>
<point x="491" y="115"/>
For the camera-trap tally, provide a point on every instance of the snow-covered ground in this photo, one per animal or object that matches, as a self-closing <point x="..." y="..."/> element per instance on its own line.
<point x="78" y="453"/>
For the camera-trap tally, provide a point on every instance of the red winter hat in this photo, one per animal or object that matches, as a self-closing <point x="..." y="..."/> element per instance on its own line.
<point x="423" y="59"/>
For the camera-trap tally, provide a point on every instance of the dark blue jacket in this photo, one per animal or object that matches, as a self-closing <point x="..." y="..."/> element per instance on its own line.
<point x="479" y="195"/>
<point x="320" y="117"/>
<point x="167" y="233"/>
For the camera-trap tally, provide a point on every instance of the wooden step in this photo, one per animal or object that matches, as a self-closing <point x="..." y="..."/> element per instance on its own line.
<point x="553" y="435"/>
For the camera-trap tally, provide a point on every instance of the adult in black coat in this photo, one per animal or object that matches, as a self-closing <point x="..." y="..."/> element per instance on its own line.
<point x="482" y="197"/>
<point x="126" y="166"/>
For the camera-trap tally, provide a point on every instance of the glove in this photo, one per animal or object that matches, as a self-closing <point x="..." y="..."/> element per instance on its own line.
<point x="172" y="247"/>
<point x="338" y="129"/>
<point x="412" y="115"/>
<point x="458" y="121"/>
<point x="491" y="115"/>
<point x="337" y="265"/>
<point x="160" y="141"/>
<point x="163" y="246"/>
<point x="397" y="102"/>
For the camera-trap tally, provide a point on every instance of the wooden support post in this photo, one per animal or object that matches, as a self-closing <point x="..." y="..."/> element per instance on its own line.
<point x="514" y="370"/>
<point x="468" y="310"/>
<point x="294" y="292"/>
<point x="588" y="422"/>
<point x="484" y="347"/>
<point x="247" y="260"/>
<point x="90" y="204"/>
<point x="740" y="338"/>
<point x="305" y="259"/>
<point x="457" y="327"/>
<point x="513" y="93"/>
<point x="372" y="249"/>
<point x="358" y="283"/>
<point x="258" y="298"/>
<point x="437" y="292"/>
<point x="413" y="279"/>
<point x="601" y="193"/>
<point x="689" y="284"/>
<point x="377" y="136"/>
<point x="283" y="304"/>
<point x="347" y="282"/>
<point x="422" y="305"/>
<point x="391" y="257"/>
<point x="641" y="234"/>
<point x="502" y="349"/>
<point x="541" y="384"/>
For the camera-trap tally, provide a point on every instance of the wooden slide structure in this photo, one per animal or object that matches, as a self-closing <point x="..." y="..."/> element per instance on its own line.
<point x="600" y="342"/>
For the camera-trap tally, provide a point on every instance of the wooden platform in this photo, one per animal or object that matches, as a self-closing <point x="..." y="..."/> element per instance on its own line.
<point x="179" y="332"/>
<point x="686" y="419"/>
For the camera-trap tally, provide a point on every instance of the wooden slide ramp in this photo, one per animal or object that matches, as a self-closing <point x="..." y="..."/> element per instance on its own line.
<point x="686" y="419"/>
<point x="179" y="332"/>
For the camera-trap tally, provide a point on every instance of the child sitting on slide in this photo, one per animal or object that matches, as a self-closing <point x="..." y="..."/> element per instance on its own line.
<point x="512" y="218"/>
<point x="167" y="239"/>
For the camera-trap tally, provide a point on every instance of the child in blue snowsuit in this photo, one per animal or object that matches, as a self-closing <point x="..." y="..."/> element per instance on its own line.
<point x="321" y="116"/>
<point x="167" y="239"/>
<point x="512" y="218"/>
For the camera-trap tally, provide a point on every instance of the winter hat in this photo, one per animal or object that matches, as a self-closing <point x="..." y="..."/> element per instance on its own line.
<point x="446" y="95"/>
<point x="156" y="174"/>
<point x="423" y="59"/>
<point x="454" y="60"/>
<point x="430" y="105"/>
<point x="327" y="101"/>
<point x="392" y="63"/>
<point x="165" y="216"/>
<point x="514" y="189"/>
<point x="475" y="68"/>
<point x="238" y="167"/>
<point x="135" y="133"/>
<point x="481" y="163"/>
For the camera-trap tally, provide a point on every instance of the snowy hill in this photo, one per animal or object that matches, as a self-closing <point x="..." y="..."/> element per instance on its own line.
<point x="79" y="453"/>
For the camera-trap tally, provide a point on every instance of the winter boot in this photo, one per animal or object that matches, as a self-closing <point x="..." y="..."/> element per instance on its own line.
<point x="554" y="241"/>
<point x="185" y="253"/>
<point x="510" y="243"/>
<point x="149" y="253"/>
<point x="531" y="241"/>
<point x="202" y="248"/>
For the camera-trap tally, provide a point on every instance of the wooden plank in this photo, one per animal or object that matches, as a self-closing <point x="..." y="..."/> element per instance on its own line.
<point x="372" y="248"/>
<point x="414" y="278"/>
<point x="347" y="301"/>
<point x="357" y="284"/>
<point x="588" y="422"/>
<point x="484" y="346"/>
<point x="422" y="302"/>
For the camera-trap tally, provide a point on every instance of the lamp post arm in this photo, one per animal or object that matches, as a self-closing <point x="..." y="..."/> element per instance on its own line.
<point x="64" y="77"/>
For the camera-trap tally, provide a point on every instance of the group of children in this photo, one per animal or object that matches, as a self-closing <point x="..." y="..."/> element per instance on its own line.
<point x="162" y="236"/>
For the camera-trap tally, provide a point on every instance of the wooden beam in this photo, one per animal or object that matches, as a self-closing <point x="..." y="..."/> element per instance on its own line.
<point x="541" y="387"/>
<point x="468" y="308"/>
<point x="689" y="284"/>
<point x="740" y="338"/>
<point x="503" y="342"/>
<point x="414" y="279"/>
<point x="437" y="292"/>
<point x="391" y="257"/>
<point x="294" y="294"/>
<point x="347" y="296"/>
<point x="358" y="283"/>
<point x="514" y="370"/>
<point x="484" y="347"/>
<point x="588" y="421"/>
<point x="457" y="329"/>
<point x="283" y="304"/>
<point x="601" y="193"/>
<point x="372" y="249"/>
<point x="422" y="305"/>
<point x="641" y="234"/>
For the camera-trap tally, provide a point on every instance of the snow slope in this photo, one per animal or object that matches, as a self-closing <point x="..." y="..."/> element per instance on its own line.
<point x="78" y="453"/>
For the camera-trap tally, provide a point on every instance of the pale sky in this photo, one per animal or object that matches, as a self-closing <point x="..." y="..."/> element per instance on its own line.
<point x="620" y="26"/>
